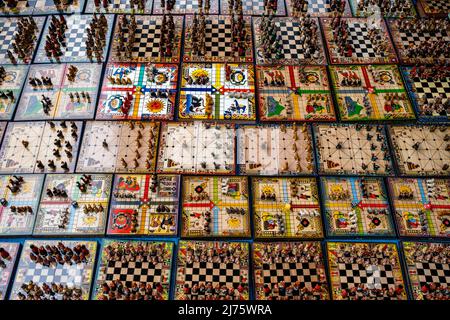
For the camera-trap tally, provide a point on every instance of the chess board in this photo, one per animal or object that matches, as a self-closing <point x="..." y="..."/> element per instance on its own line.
<point x="363" y="51"/>
<point x="421" y="150"/>
<point x="215" y="207"/>
<point x="13" y="81"/>
<point x="356" y="206"/>
<point x="153" y="88"/>
<point x="63" y="216"/>
<point x="197" y="147"/>
<point x="118" y="146"/>
<point x="253" y="8"/>
<point x="148" y="27"/>
<point x="434" y="7"/>
<point x="286" y="208"/>
<point x="352" y="149"/>
<point x="374" y="92"/>
<point x="118" y="6"/>
<point x="73" y="275"/>
<point x="144" y="205"/>
<point x="187" y="7"/>
<point x="75" y="37"/>
<point x="64" y="106"/>
<point x="217" y="91"/>
<point x="27" y="143"/>
<point x="422" y="206"/>
<point x="13" y="223"/>
<point x="134" y="272"/>
<point x="6" y="272"/>
<point x="293" y="53"/>
<point x="368" y="10"/>
<point x="294" y="93"/>
<point x="218" y="41"/>
<point x="306" y="272"/>
<point x="319" y="8"/>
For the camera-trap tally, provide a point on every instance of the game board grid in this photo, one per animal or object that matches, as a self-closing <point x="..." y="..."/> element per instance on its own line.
<point x="16" y="84"/>
<point x="186" y="7"/>
<point x="434" y="7"/>
<point x="6" y="273"/>
<point x="117" y="6"/>
<point x="357" y="13"/>
<point x="319" y="8"/>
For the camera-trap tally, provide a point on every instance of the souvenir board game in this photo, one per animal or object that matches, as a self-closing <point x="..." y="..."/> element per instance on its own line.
<point x="373" y="92"/>
<point x="289" y="271"/>
<point x="40" y="147"/>
<point x="318" y="8"/>
<point x="254" y="7"/>
<point x="434" y="7"/>
<point x="12" y="78"/>
<point x="365" y="271"/>
<point x="119" y="6"/>
<point x="144" y="205"/>
<point x="54" y="270"/>
<point x="9" y="252"/>
<point x="118" y="146"/>
<point x="197" y="147"/>
<point x="134" y="270"/>
<point x="28" y="7"/>
<point x="60" y="91"/>
<point x="284" y="149"/>
<point x="286" y="208"/>
<point x="186" y="6"/>
<point x="356" y="206"/>
<point x="215" y="207"/>
<point x="398" y="8"/>
<point x="217" y="91"/>
<point x="421" y="150"/>
<point x="19" y="203"/>
<point x="421" y="206"/>
<point x="73" y="204"/>
<point x="212" y="270"/>
<point x="428" y="269"/>
<point x="352" y="149"/>
<point x="139" y="91"/>
<point x="294" y="93"/>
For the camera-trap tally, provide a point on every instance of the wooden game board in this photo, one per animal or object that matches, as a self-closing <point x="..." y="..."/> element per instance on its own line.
<point x="13" y="222"/>
<point x="421" y="150"/>
<point x="187" y="7"/>
<point x="439" y="8"/>
<point x="118" y="6"/>
<point x="286" y="208"/>
<point x="422" y="206"/>
<point x="72" y="215"/>
<point x="197" y="147"/>
<point x="284" y="149"/>
<point x="144" y="205"/>
<point x="153" y="88"/>
<point x="253" y="7"/>
<point x="299" y="276"/>
<point x="352" y="149"/>
<point x="7" y="270"/>
<point x="356" y="206"/>
<point x="215" y="207"/>
<point x="294" y="93"/>
<point x="319" y="8"/>
<point x="13" y="82"/>
<point x="64" y="106"/>
<point x="368" y="10"/>
<point x="119" y="146"/>
<point x="27" y="143"/>
<point x="373" y="92"/>
<point x="217" y="91"/>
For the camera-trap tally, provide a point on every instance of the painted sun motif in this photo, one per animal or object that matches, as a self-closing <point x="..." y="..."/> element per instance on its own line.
<point x="155" y="106"/>
<point x="199" y="73"/>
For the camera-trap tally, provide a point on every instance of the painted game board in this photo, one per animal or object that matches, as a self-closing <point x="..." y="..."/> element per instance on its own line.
<point x="365" y="271"/>
<point x="9" y="27"/>
<point x="289" y="32"/>
<point x="118" y="146"/>
<point x="38" y="264"/>
<point x="69" y="99"/>
<point x="218" y="41"/>
<point x="363" y="49"/>
<point x="273" y="149"/>
<point x="322" y="8"/>
<point x="286" y="208"/>
<point x="215" y="207"/>
<point x="217" y="91"/>
<point x="18" y="213"/>
<point x="373" y="92"/>
<point x="33" y="147"/>
<point x="294" y="93"/>
<point x="365" y="8"/>
<point x="289" y="271"/>
<point x="144" y="205"/>
<point x="118" y="6"/>
<point x="11" y="84"/>
<point x="434" y="7"/>
<point x="197" y="147"/>
<point x="151" y="88"/>
<point x="356" y="206"/>
<point x="134" y="263"/>
<point x="352" y="149"/>
<point x="422" y="206"/>
<point x="253" y="7"/>
<point x="212" y="270"/>
<point x="429" y="95"/>
<point x="421" y="150"/>
<point x="428" y="269"/>
<point x="75" y="37"/>
<point x="187" y="7"/>
<point x="73" y="204"/>
<point x="10" y="249"/>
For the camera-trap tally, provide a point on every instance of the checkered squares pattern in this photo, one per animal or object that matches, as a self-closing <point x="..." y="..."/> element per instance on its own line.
<point x="120" y="5"/>
<point x="433" y="273"/>
<point x="408" y="37"/>
<point x="352" y="274"/>
<point x="358" y="37"/>
<point x="218" y="35"/>
<point x="275" y="273"/>
<point x="8" y="29"/>
<point x="130" y="272"/>
<point x="216" y="273"/>
<point x="65" y="274"/>
<point x="76" y="41"/>
<point x="188" y="5"/>
<point x="292" y="48"/>
<point x="145" y="30"/>
<point x="318" y="6"/>
<point x="439" y="5"/>
<point x="432" y="89"/>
